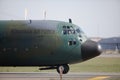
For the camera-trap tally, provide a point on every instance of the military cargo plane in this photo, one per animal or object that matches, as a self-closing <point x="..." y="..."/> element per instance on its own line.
<point x="46" y="43"/>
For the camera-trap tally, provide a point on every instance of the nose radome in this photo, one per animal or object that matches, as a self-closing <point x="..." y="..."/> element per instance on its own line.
<point x="90" y="49"/>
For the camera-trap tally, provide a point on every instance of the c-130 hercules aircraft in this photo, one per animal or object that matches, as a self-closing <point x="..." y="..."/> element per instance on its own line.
<point x="47" y="43"/>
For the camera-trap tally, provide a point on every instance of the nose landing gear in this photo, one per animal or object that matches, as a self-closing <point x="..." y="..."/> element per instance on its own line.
<point x="63" y="68"/>
<point x="60" y="68"/>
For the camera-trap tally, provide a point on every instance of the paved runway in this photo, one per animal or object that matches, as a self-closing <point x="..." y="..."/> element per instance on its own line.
<point x="55" y="76"/>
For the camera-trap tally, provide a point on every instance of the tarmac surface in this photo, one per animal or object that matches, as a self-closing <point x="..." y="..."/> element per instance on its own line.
<point x="110" y="55"/>
<point x="55" y="76"/>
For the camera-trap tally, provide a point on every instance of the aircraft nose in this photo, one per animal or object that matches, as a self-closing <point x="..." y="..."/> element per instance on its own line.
<point x="90" y="49"/>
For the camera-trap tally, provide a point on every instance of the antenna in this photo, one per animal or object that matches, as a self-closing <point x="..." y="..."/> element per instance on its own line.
<point x="70" y="20"/>
<point x="26" y="13"/>
<point x="44" y="15"/>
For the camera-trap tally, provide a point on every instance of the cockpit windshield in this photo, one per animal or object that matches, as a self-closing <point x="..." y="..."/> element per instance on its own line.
<point x="78" y="30"/>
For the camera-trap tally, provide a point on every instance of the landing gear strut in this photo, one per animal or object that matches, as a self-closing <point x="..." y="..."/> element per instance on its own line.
<point x="63" y="68"/>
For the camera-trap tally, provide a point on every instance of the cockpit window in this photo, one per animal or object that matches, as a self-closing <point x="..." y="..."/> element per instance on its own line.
<point x="64" y="27"/>
<point x="68" y="27"/>
<point x="68" y="30"/>
<point x="78" y="30"/>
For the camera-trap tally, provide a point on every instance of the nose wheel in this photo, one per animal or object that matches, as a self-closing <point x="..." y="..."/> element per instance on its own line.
<point x="63" y="69"/>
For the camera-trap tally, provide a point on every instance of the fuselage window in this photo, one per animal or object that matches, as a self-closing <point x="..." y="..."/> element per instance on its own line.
<point x="68" y="30"/>
<point x="69" y="43"/>
<point x="72" y="42"/>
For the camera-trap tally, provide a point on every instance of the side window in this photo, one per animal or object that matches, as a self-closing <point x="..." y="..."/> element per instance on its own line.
<point x="72" y="42"/>
<point x="69" y="43"/>
<point x="68" y="30"/>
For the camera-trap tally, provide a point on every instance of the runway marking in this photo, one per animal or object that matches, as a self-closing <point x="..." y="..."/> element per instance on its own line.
<point x="99" y="78"/>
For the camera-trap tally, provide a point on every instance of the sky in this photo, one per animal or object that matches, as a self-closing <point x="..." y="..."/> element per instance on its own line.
<point x="97" y="18"/>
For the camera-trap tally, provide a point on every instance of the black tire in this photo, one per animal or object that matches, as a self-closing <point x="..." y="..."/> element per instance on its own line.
<point x="65" y="69"/>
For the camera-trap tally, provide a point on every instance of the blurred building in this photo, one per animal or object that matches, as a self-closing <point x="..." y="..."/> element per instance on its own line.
<point x="110" y="43"/>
